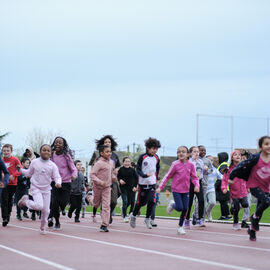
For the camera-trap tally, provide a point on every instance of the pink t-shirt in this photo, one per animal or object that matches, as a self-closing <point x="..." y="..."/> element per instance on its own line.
<point x="260" y="176"/>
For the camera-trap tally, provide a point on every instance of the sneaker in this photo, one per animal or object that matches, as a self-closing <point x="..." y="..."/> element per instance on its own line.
<point x="170" y="207"/>
<point x="254" y="223"/>
<point x="132" y="221"/>
<point x="147" y="222"/>
<point x="21" y="202"/>
<point x="94" y="219"/>
<point x="57" y="226"/>
<point x="202" y="224"/>
<point x="194" y="219"/>
<point x="25" y="215"/>
<point x="236" y="227"/>
<point x="126" y="220"/>
<point x="82" y="215"/>
<point x="69" y="214"/>
<point x="77" y="220"/>
<point x="252" y="235"/>
<point x="187" y="224"/>
<point x="50" y="222"/>
<point x="42" y="231"/>
<point x="103" y="229"/>
<point x="210" y="218"/>
<point x="5" y="222"/>
<point x="181" y="230"/>
<point x="222" y="218"/>
<point x="153" y="223"/>
<point x="64" y="213"/>
<point x="244" y="224"/>
<point x="19" y="217"/>
<point x="228" y="217"/>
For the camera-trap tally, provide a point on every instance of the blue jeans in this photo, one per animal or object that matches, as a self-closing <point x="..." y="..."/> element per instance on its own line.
<point x="181" y="201"/>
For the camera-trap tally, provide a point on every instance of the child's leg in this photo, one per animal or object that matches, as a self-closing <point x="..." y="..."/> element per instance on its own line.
<point x="37" y="203"/>
<point x="191" y="196"/>
<point x="96" y="199"/>
<point x="151" y="200"/>
<point x="211" y="199"/>
<point x="235" y="210"/>
<point x="200" y="201"/>
<point x="78" y="206"/>
<point x="46" y="209"/>
<point x="105" y="201"/>
<point x="124" y="196"/>
<point x="141" y="201"/>
<point x="73" y="204"/>
<point x="263" y="201"/>
<point x="83" y="203"/>
<point x="246" y="210"/>
<point x="132" y="201"/>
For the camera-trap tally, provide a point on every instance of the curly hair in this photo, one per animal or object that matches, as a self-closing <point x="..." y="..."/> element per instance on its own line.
<point x="102" y="140"/>
<point x="66" y="149"/>
<point x="152" y="142"/>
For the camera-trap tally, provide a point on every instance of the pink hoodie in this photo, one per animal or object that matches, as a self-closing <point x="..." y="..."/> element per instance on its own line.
<point x="181" y="174"/>
<point x="238" y="189"/>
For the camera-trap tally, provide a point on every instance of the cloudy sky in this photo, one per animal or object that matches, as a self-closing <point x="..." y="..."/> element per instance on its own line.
<point x="85" y="68"/>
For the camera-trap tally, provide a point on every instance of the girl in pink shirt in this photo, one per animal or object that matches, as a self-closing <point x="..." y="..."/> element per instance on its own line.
<point x="42" y="172"/>
<point x="238" y="189"/>
<point x="181" y="172"/>
<point x="256" y="170"/>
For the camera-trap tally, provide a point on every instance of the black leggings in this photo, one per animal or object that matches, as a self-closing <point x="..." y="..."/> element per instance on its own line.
<point x="235" y="208"/>
<point x="263" y="201"/>
<point x="200" y="200"/>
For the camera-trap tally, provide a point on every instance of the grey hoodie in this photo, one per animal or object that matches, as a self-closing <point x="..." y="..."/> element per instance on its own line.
<point x="77" y="185"/>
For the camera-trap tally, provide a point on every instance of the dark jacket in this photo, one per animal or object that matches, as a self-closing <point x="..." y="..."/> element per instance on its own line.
<point x="77" y="185"/>
<point x="4" y="170"/>
<point x="129" y="176"/>
<point x="243" y="169"/>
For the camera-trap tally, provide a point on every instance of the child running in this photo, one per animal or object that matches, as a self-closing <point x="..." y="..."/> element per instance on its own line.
<point x="182" y="172"/>
<point x="102" y="176"/>
<point x="62" y="157"/>
<point x="42" y="172"/>
<point x="5" y="174"/>
<point x="147" y="169"/>
<point x="238" y="189"/>
<point x="256" y="170"/>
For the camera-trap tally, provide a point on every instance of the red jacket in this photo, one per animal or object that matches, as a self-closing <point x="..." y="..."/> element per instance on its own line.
<point x="238" y="189"/>
<point x="11" y="164"/>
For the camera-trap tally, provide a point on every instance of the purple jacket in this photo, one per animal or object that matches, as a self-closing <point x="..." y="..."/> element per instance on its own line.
<point x="65" y="166"/>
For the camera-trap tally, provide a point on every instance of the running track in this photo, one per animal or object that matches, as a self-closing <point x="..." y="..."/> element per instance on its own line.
<point x="82" y="246"/>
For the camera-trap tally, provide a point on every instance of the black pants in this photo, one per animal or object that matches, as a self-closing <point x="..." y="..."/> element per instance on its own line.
<point x="235" y="208"/>
<point x="128" y="198"/>
<point x="200" y="200"/>
<point x="7" y="200"/>
<point x="115" y="193"/>
<point x="18" y="195"/>
<point x="146" y="195"/>
<point x="75" y="204"/>
<point x="60" y="199"/>
<point x="263" y="201"/>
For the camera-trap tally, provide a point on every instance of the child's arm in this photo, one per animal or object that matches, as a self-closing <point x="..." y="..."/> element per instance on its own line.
<point x="224" y="182"/>
<point x="158" y="166"/>
<point x="194" y="178"/>
<point x="56" y="176"/>
<point x="139" y="168"/>
<point x="93" y="174"/>
<point x="71" y="167"/>
<point x="6" y="174"/>
<point x="166" y="178"/>
<point x="29" y="172"/>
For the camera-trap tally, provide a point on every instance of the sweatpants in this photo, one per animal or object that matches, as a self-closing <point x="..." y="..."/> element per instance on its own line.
<point x="146" y="195"/>
<point x="210" y="202"/>
<point x="115" y="193"/>
<point x="200" y="200"/>
<point x="41" y="203"/>
<point x="18" y="196"/>
<point x="181" y="202"/>
<point x="128" y="198"/>
<point x="235" y="208"/>
<point x="60" y="199"/>
<point x="103" y="197"/>
<point x="75" y="204"/>
<point x="263" y="201"/>
<point x="7" y="200"/>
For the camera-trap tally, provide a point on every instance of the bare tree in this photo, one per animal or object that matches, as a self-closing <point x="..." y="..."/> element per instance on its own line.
<point x="37" y="137"/>
<point x="2" y="137"/>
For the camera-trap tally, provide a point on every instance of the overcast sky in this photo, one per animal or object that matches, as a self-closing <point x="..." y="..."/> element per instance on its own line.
<point x="135" y="69"/>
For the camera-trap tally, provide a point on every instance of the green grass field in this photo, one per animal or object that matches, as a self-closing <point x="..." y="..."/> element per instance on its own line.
<point x="161" y="211"/>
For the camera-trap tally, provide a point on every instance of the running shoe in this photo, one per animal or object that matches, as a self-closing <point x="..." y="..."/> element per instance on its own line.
<point x="103" y="229"/>
<point x="170" y="207"/>
<point x="181" y="230"/>
<point x="132" y="221"/>
<point x="252" y="235"/>
<point x="147" y="222"/>
<point x="254" y="223"/>
<point x="236" y="227"/>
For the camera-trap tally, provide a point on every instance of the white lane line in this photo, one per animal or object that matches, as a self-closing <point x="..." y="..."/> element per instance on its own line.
<point x="196" y="231"/>
<point x="178" y="238"/>
<point x="151" y="251"/>
<point x="56" y="265"/>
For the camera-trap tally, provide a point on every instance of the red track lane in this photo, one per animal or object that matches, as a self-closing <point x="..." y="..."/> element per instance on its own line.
<point x="82" y="246"/>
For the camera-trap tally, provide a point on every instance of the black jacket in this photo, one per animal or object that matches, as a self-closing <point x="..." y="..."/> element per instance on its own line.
<point x="243" y="169"/>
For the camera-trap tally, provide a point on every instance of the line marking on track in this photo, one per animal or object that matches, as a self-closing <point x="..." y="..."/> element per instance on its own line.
<point x="56" y="265"/>
<point x="150" y="251"/>
<point x="194" y="230"/>
<point x="177" y="238"/>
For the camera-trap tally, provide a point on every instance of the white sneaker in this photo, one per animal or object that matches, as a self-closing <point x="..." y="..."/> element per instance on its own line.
<point x="94" y="219"/>
<point x="126" y="220"/>
<point x="147" y="222"/>
<point x="181" y="230"/>
<point x="236" y="227"/>
<point x="42" y="231"/>
<point x="170" y="207"/>
<point x="132" y="221"/>
<point x="210" y="217"/>
<point x="22" y="201"/>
